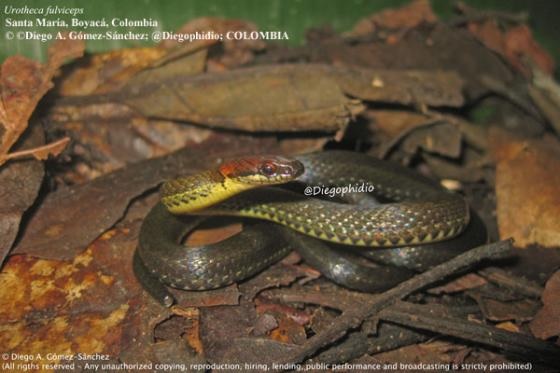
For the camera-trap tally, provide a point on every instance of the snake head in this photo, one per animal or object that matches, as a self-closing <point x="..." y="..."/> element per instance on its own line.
<point x="262" y="170"/>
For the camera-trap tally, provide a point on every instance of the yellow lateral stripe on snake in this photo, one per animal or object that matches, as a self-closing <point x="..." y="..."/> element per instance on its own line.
<point x="425" y="212"/>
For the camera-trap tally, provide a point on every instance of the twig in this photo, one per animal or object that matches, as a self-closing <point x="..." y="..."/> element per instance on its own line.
<point x="40" y="152"/>
<point x="389" y="336"/>
<point x="354" y="317"/>
<point x="517" y="344"/>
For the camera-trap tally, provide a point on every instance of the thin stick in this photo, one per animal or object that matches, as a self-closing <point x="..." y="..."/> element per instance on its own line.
<point x="354" y="317"/>
<point x="520" y="345"/>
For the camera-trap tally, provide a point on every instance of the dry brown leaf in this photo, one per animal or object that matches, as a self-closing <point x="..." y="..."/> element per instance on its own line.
<point x="192" y="332"/>
<point x="50" y="305"/>
<point x="546" y="323"/>
<point x="468" y="281"/>
<point x="405" y="17"/>
<point x="496" y="310"/>
<point x="515" y="45"/>
<point x="105" y="72"/>
<point x="19" y="185"/>
<point x="23" y="83"/>
<point x="235" y="52"/>
<point x="509" y="326"/>
<point x="527" y="185"/>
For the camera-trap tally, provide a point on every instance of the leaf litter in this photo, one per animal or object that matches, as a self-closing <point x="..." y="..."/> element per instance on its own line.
<point x="396" y="86"/>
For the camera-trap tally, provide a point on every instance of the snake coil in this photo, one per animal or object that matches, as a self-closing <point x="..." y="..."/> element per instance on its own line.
<point x="424" y="224"/>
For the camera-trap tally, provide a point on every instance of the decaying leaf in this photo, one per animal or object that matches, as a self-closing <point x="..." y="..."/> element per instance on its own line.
<point x="514" y="44"/>
<point x="546" y="323"/>
<point x="235" y="52"/>
<point x="434" y="47"/>
<point x="401" y="19"/>
<point x="23" y="84"/>
<point x="76" y="293"/>
<point x="405" y="87"/>
<point x="287" y="97"/>
<point x="104" y="72"/>
<point x="271" y="98"/>
<point x="72" y="217"/>
<point x="468" y="281"/>
<point x="410" y="132"/>
<point x="527" y="184"/>
<point x="518" y="310"/>
<point x="19" y="184"/>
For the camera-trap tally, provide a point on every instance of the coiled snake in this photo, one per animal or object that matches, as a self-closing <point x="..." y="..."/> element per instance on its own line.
<point x="400" y="237"/>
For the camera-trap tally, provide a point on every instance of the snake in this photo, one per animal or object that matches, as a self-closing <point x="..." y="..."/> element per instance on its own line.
<point x="407" y="223"/>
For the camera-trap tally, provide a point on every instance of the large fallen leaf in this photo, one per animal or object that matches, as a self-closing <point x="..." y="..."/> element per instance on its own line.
<point x="91" y="304"/>
<point x="527" y="185"/>
<point x="426" y="47"/>
<point x="546" y="323"/>
<point x="287" y="97"/>
<point x="269" y="98"/>
<point x="19" y="184"/>
<point x="72" y="217"/>
<point x="54" y="307"/>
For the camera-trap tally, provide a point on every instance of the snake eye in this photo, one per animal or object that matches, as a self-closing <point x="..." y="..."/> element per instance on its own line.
<point x="268" y="169"/>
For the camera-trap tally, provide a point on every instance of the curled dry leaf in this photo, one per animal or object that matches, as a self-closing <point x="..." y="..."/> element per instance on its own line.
<point x="527" y="184"/>
<point x="405" y="17"/>
<point x="23" y="83"/>
<point x="546" y="323"/>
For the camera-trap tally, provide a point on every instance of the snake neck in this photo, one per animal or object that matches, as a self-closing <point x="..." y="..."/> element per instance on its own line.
<point x="197" y="192"/>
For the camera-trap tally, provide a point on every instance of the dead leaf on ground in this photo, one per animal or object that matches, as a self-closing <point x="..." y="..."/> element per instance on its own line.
<point x="527" y="184"/>
<point x="429" y="353"/>
<point x="102" y="145"/>
<point x="19" y="184"/>
<point x="56" y="307"/>
<point x="515" y="44"/>
<point x="546" y="323"/>
<point x="465" y="282"/>
<point x="436" y="47"/>
<point x="105" y="72"/>
<point x="405" y="87"/>
<point x="401" y="19"/>
<point x="264" y="98"/>
<point x="23" y="84"/>
<point x="235" y="52"/>
<point x="72" y="217"/>
<point x="518" y="310"/>
<point x="288" y="331"/>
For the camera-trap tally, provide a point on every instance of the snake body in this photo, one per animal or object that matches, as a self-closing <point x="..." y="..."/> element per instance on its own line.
<point x="421" y="214"/>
